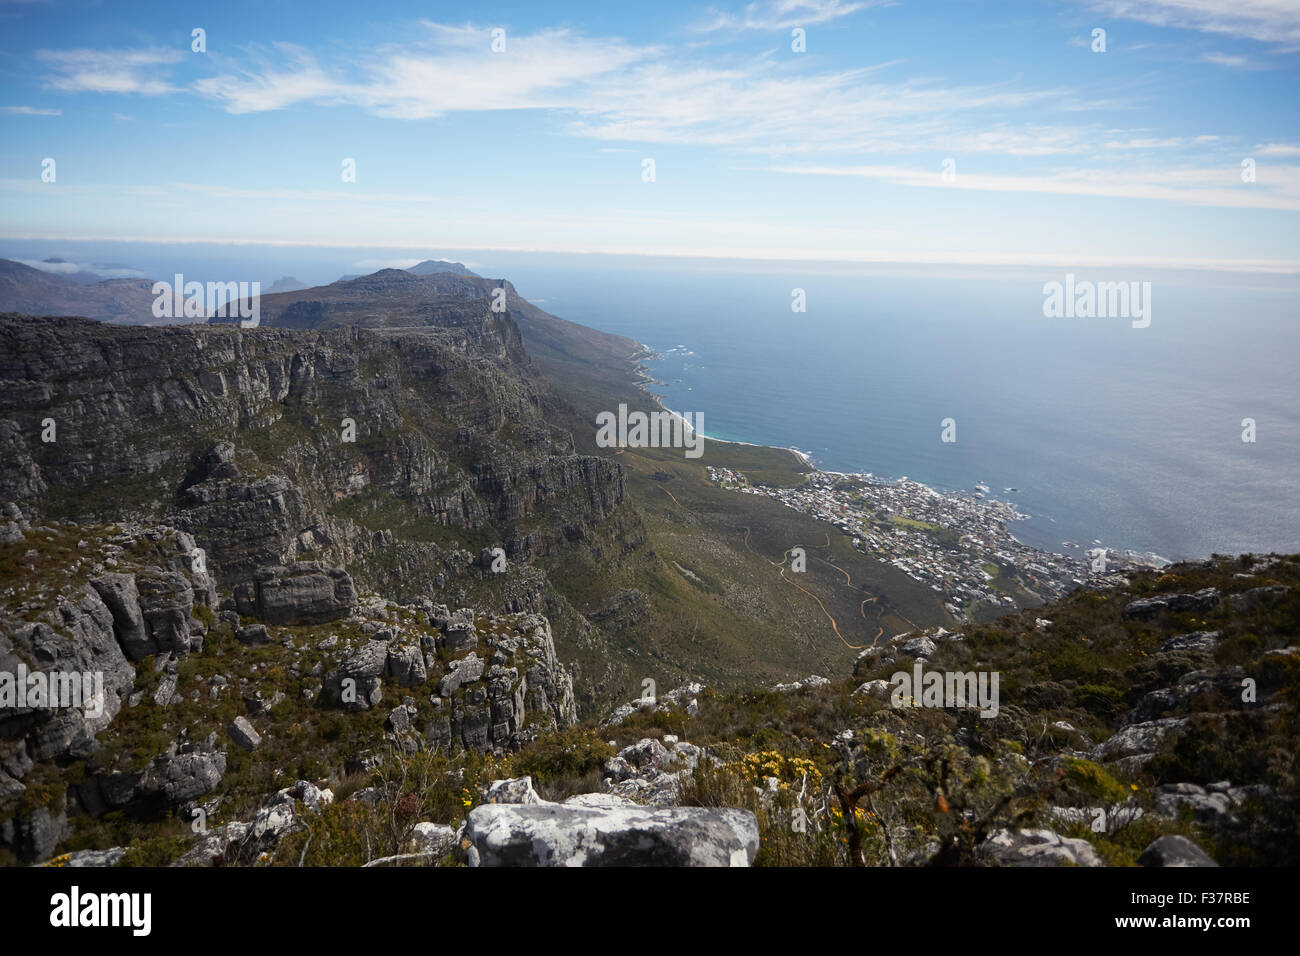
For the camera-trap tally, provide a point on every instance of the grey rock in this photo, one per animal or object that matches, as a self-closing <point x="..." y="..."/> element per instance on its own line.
<point x="1257" y="597"/>
<point x="434" y="838"/>
<point x="253" y="634"/>
<point x="1037" y="848"/>
<point x="34" y="837"/>
<point x="1195" y="641"/>
<point x="814" y="680"/>
<point x="872" y="688"/>
<point x="308" y="592"/>
<point x="1173" y="850"/>
<point x="920" y="647"/>
<point x="646" y="752"/>
<point x="569" y="835"/>
<point x="518" y="790"/>
<point x="618" y="769"/>
<point x="1137" y="739"/>
<point x="109" y="857"/>
<point x="243" y="733"/>
<point x="1205" y="599"/>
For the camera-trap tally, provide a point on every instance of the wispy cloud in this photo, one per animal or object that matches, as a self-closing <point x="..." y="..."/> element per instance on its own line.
<point x="1268" y="21"/>
<point x="448" y="69"/>
<point x="1218" y="186"/>
<point x="785" y="14"/>
<point x="616" y="92"/>
<point x="29" y="111"/>
<point x="109" y="71"/>
<point x="1233" y="61"/>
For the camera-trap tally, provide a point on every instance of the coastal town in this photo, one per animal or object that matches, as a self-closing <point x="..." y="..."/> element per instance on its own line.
<point x="958" y="544"/>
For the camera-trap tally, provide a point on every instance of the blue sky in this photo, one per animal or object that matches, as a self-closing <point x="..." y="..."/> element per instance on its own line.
<point x="1060" y="155"/>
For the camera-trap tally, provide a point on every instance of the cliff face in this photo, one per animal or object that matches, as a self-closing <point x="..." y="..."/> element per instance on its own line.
<point x="270" y="445"/>
<point x="196" y="499"/>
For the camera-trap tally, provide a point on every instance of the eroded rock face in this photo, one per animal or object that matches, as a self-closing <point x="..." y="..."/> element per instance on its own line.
<point x="166" y="411"/>
<point x="308" y="592"/>
<point x="552" y="834"/>
<point x="485" y="706"/>
<point x="76" y="636"/>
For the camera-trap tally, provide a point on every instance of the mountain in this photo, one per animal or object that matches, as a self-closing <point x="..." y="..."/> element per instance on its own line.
<point x="434" y="266"/>
<point x="33" y="291"/>
<point x="286" y="284"/>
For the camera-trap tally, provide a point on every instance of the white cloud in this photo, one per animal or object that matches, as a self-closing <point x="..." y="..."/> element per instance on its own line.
<point x="29" y="111"/>
<point x="109" y="71"/>
<point x="70" y="268"/>
<point x="620" y="94"/>
<point x="1235" y="62"/>
<point x="1268" y="21"/>
<point x="447" y="69"/>
<point x="1217" y="186"/>
<point x="615" y="92"/>
<point x="786" y="14"/>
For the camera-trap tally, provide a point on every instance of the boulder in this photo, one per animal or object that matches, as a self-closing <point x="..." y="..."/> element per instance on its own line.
<point x="1172" y="850"/>
<point x="184" y="772"/>
<point x="1037" y="848"/>
<point x="243" y="733"/>
<point x="920" y="647"/>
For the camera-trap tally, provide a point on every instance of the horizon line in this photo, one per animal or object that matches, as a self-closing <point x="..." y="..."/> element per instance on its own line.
<point x="870" y="257"/>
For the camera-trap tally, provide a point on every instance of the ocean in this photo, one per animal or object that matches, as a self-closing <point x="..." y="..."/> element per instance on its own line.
<point x="1131" y="437"/>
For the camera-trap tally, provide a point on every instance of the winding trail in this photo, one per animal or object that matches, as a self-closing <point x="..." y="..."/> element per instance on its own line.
<point x="848" y="581"/>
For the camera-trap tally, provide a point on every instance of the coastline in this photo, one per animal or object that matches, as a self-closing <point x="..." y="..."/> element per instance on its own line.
<point x="644" y="379"/>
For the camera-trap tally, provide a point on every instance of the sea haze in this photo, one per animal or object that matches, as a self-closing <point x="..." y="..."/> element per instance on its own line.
<point x="1130" y="436"/>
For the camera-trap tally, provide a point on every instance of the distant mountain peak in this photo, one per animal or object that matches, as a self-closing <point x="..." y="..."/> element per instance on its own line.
<point x="286" y="284"/>
<point x="432" y="266"/>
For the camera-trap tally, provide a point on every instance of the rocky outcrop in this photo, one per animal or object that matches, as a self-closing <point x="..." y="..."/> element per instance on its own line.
<point x="684" y="698"/>
<point x="551" y="834"/>
<point x="1149" y="607"/>
<point x="307" y="592"/>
